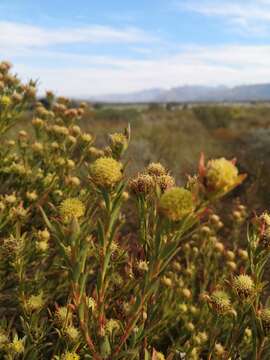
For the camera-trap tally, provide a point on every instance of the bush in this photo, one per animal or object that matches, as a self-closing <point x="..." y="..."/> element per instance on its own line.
<point x="77" y="282"/>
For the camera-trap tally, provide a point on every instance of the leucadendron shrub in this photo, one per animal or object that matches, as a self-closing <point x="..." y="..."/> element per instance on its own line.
<point x="76" y="282"/>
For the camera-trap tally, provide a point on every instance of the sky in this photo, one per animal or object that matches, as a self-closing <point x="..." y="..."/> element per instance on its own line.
<point x="91" y="47"/>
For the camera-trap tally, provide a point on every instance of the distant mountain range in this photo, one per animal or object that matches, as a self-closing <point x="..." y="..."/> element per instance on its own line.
<point x="190" y="93"/>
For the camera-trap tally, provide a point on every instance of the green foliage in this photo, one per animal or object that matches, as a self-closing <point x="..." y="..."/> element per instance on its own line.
<point x="77" y="282"/>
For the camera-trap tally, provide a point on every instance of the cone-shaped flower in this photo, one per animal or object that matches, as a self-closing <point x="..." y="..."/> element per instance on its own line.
<point x="176" y="203"/>
<point x="105" y="172"/>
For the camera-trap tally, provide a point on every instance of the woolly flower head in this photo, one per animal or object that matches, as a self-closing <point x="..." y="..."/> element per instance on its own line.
<point x="220" y="302"/>
<point x="71" y="208"/>
<point x="112" y="325"/>
<point x="70" y="356"/>
<point x="142" y="184"/>
<point x="244" y="286"/>
<point x="221" y="174"/>
<point x="72" y="333"/>
<point x="176" y="203"/>
<point x="106" y="172"/>
<point x="156" y="169"/>
<point x="63" y="315"/>
<point x="35" y="302"/>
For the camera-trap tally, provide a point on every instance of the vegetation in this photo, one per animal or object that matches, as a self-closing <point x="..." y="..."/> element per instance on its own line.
<point x="101" y="261"/>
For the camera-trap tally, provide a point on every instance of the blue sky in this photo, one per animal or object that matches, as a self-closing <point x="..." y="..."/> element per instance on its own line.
<point x="87" y="47"/>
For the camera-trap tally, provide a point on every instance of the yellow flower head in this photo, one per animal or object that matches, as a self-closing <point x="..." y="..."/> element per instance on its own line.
<point x="5" y="101"/>
<point x="112" y="325"/>
<point x="71" y="208"/>
<point x="220" y="302"/>
<point x="244" y="286"/>
<point x="106" y="172"/>
<point x="63" y="315"/>
<point x="159" y="356"/>
<point x="221" y="174"/>
<point x="35" y="302"/>
<point x="71" y="356"/>
<point x="118" y="142"/>
<point x="17" y="346"/>
<point x="176" y="203"/>
<point x="72" y="333"/>
<point x="156" y="169"/>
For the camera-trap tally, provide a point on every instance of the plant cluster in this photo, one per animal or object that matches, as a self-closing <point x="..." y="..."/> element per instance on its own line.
<point x="75" y="283"/>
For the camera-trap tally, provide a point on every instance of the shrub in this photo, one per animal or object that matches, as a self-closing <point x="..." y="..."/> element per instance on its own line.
<point x="77" y="283"/>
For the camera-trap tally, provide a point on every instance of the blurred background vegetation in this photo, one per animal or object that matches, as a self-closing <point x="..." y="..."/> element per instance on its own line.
<point x="176" y="135"/>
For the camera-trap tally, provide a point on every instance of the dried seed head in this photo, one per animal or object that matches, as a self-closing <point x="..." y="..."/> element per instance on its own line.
<point x="220" y="302"/>
<point x="176" y="203"/>
<point x="244" y="286"/>
<point x="142" y="185"/>
<point x="221" y="174"/>
<point x="219" y="349"/>
<point x="106" y="172"/>
<point x="165" y="182"/>
<point x="156" y="169"/>
<point x="264" y="315"/>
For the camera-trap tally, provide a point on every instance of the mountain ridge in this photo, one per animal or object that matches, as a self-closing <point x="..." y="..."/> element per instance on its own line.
<point x="192" y="93"/>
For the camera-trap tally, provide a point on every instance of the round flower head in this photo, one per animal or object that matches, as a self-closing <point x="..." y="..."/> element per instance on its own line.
<point x="156" y="169"/>
<point x="5" y="101"/>
<point x="35" y="302"/>
<point x="106" y="172"/>
<point x="265" y="318"/>
<point x="220" y="302"/>
<point x="142" y="184"/>
<point x="244" y="286"/>
<point x="176" y="203"/>
<point x="70" y="356"/>
<point x="71" y="208"/>
<point x="221" y="174"/>
<point x="112" y="325"/>
<point x="72" y="333"/>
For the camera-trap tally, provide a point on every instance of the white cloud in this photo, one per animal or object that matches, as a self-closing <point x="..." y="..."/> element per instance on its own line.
<point x="248" y="15"/>
<point x="18" y="34"/>
<point x="229" y="65"/>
